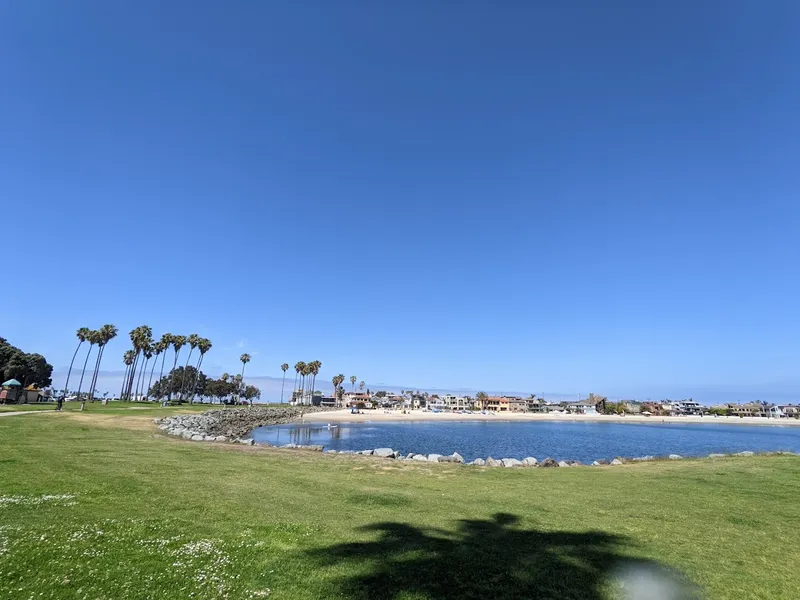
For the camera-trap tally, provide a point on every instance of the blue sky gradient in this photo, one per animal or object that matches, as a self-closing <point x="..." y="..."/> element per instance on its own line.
<point x="521" y="197"/>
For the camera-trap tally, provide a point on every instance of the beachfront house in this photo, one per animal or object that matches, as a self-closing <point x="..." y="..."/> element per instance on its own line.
<point x="775" y="412"/>
<point x="436" y="403"/>
<point x="683" y="407"/>
<point x="582" y="407"/>
<point x="504" y="404"/>
<point x="456" y="403"/>
<point x="534" y="404"/>
<point x="790" y="410"/>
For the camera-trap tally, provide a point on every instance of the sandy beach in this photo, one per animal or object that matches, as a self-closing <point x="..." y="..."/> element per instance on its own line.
<point x="379" y="416"/>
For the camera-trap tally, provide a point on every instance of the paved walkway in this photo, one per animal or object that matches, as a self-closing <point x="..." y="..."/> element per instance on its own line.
<point x="25" y="412"/>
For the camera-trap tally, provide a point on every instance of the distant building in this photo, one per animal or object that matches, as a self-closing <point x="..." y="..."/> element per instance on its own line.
<point x="683" y="407"/>
<point x="582" y="407"/>
<point x="456" y="403"/>
<point x="504" y="404"/>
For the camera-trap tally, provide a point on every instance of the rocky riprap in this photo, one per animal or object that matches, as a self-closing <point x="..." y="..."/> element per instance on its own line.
<point x="230" y="424"/>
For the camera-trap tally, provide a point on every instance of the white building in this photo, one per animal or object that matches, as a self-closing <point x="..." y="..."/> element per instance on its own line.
<point x="453" y="402"/>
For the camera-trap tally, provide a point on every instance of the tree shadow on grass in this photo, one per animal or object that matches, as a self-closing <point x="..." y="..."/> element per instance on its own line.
<point x="493" y="559"/>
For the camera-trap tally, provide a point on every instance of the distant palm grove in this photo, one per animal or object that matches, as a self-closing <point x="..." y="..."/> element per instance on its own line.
<point x="182" y="382"/>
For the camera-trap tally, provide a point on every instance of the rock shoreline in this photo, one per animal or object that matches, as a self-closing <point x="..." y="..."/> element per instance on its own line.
<point x="230" y="423"/>
<point x="234" y="425"/>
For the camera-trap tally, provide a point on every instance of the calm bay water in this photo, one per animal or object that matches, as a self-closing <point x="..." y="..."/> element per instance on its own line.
<point x="563" y="441"/>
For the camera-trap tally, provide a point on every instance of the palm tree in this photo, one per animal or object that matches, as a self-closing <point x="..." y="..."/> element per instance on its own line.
<point x="361" y="386"/>
<point x="299" y="367"/>
<point x="165" y="341"/>
<point x="158" y="348"/>
<point x="307" y="370"/>
<point x="107" y="333"/>
<point x="481" y="398"/>
<point x="93" y="338"/>
<point x="83" y="334"/>
<point x="245" y="358"/>
<point x="148" y="353"/>
<point x="284" y="368"/>
<point x="204" y="345"/>
<point x="178" y="342"/>
<point x="315" y="367"/>
<point x="127" y="358"/>
<point x="353" y="380"/>
<point x="192" y="340"/>
<point x="337" y="381"/>
<point x="140" y="337"/>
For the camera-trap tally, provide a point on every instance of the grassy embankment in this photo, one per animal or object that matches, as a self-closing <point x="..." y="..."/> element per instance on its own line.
<point x="99" y="505"/>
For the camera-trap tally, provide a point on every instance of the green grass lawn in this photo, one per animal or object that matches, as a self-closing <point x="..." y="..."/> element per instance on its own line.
<point x="99" y="505"/>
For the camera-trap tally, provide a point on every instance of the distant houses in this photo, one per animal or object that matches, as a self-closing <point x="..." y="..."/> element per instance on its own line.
<point x="592" y="405"/>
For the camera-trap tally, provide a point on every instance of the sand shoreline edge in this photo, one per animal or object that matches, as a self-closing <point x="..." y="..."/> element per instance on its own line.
<point x="379" y="416"/>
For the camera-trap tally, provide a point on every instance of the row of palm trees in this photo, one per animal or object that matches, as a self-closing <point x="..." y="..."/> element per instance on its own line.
<point x="95" y="337"/>
<point x="305" y="372"/>
<point x="145" y="348"/>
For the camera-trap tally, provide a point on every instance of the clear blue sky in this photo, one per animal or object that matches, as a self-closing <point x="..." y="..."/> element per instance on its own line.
<point x="522" y="196"/>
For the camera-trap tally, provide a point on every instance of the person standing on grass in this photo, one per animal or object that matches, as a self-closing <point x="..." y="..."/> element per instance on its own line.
<point x="60" y="402"/>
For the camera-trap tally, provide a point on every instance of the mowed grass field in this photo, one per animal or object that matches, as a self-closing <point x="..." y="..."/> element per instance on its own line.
<point x="99" y="505"/>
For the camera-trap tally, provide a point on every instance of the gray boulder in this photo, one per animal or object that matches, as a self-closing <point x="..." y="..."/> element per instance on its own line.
<point x="247" y="441"/>
<point x="563" y="463"/>
<point x="366" y="452"/>
<point x="220" y="438"/>
<point x="530" y="461"/>
<point x="675" y="457"/>
<point x="453" y="458"/>
<point x="197" y="438"/>
<point x="490" y="462"/>
<point x="209" y="438"/>
<point x="644" y="458"/>
<point x="745" y="453"/>
<point x="548" y="463"/>
<point x="511" y="462"/>
<point x="478" y="462"/>
<point x="420" y="458"/>
<point x="716" y="455"/>
<point x="187" y="434"/>
<point x="384" y="452"/>
<point x="575" y="463"/>
<point x="434" y="457"/>
<point x="596" y="464"/>
<point x="616" y="461"/>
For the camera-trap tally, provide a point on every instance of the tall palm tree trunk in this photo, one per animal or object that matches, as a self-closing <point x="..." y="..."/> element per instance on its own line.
<point x="150" y="381"/>
<point x="66" y="385"/>
<point x="241" y="386"/>
<point x="283" y="384"/>
<point x="294" y="389"/>
<point x="94" y="374"/>
<point x="196" y="378"/>
<point x="161" y="376"/>
<point x="172" y="374"/>
<point x="140" y="378"/>
<point x="80" y="384"/>
<point x="183" y="376"/>
<point x="132" y="375"/>
<point x="124" y="381"/>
